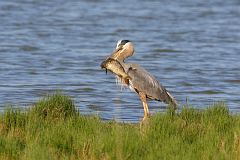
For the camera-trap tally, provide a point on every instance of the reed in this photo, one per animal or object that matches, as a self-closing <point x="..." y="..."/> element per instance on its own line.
<point x="54" y="129"/>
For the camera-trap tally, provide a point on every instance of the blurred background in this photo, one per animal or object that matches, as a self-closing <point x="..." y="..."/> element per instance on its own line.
<point x="191" y="47"/>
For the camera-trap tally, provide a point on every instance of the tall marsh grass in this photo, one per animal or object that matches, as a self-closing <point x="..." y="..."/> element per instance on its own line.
<point x="54" y="129"/>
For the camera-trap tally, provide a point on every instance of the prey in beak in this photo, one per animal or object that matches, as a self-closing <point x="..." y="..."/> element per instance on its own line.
<point x="115" y="67"/>
<point x="124" y="49"/>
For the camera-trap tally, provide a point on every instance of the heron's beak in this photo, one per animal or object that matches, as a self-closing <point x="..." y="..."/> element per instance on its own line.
<point x="116" y="53"/>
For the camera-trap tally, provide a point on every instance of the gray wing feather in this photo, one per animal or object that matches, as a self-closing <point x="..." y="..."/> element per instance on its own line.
<point x="142" y="81"/>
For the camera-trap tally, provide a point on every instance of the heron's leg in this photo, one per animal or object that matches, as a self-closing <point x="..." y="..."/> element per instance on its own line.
<point x="145" y="105"/>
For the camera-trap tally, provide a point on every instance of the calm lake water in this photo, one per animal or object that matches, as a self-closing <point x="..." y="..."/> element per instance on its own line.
<point x="192" y="47"/>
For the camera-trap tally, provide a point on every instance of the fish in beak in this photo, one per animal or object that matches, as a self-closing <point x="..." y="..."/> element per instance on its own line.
<point x="115" y="67"/>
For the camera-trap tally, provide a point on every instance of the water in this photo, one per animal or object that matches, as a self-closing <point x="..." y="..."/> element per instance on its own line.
<point x="192" y="47"/>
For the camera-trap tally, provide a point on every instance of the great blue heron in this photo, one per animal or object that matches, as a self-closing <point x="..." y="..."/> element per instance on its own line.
<point x="142" y="82"/>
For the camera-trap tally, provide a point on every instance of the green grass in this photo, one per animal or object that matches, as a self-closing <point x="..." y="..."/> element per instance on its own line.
<point x="54" y="129"/>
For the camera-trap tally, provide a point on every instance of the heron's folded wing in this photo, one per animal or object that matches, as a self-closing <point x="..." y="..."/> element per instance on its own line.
<point x="143" y="81"/>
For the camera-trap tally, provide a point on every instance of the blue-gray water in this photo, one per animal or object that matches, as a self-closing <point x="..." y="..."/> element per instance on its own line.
<point x="192" y="47"/>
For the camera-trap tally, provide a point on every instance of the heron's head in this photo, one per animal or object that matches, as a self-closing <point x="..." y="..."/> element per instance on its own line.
<point x="123" y="50"/>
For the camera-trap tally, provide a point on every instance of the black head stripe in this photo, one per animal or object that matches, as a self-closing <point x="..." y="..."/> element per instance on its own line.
<point x="123" y="42"/>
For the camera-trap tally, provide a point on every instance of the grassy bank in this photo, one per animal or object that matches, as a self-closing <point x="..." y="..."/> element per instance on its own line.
<point x="53" y="129"/>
